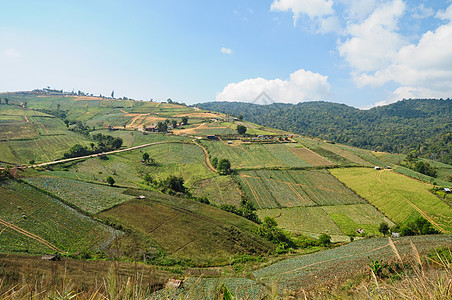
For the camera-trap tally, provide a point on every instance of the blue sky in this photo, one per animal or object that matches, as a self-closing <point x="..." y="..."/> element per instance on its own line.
<point x="358" y="52"/>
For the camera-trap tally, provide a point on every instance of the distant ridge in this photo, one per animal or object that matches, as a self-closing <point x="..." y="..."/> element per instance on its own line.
<point x="424" y="125"/>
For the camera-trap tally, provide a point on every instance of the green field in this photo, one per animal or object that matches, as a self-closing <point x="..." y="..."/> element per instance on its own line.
<point x="338" y="221"/>
<point x="219" y="190"/>
<point x="186" y="229"/>
<point x="292" y="188"/>
<point x="242" y="155"/>
<point x="399" y="197"/>
<point x="48" y="218"/>
<point x="91" y="198"/>
<point x="42" y="149"/>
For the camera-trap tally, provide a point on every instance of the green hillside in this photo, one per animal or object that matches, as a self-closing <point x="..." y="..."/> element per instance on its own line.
<point x="174" y="210"/>
<point x="419" y="124"/>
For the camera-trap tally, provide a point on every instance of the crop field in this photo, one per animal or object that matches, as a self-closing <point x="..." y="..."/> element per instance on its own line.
<point x="49" y="125"/>
<point x="91" y="198"/>
<point x="422" y="177"/>
<point x="310" y="157"/>
<point x="49" y="219"/>
<point x="185" y="160"/>
<point x="292" y="188"/>
<point x="338" y="221"/>
<point x="15" y="131"/>
<point x="337" y="149"/>
<point x="44" y="148"/>
<point x="317" y="147"/>
<point x="254" y="155"/>
<point x="398" y="197"/>
<point x="184" y="233"/>
<point x="219" y="190"/>
<point x="340" y="262"/>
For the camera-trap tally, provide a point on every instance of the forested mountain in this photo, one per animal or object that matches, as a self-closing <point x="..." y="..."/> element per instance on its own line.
<point x="424" y="125"/>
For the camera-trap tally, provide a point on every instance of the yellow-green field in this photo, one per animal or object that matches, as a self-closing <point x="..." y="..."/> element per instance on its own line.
<point x="397" y="196"/>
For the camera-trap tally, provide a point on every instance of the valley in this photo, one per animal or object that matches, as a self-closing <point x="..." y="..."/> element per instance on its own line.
<point x="159" y="200"/>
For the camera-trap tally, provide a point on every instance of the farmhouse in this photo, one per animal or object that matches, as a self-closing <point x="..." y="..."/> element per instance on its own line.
<point x="377" y="168"/>
<point x="212" y="137"/>
<point x="447" y="190"/>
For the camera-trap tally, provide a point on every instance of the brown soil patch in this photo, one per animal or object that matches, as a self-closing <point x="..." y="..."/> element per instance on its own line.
<point x="139" y="120"/>
<point x="198" y="115"/>
<point x="311" y="157"/>
<point x="84" y="98"/>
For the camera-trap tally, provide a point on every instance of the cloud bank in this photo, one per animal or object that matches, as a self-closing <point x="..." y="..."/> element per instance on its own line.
<point x="301" y="86"/>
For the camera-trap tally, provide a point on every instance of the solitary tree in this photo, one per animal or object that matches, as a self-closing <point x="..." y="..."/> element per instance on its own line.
<point x="174" y="123"/>
<point x="185" y="120"/>
<point x="113" y="94"/>
<point x="224" y="167"/>
<point x="384" y="228"/>
<point x="241" y="117"/>
<point x="145" y="157"/>
<point x="66" y="121"/>
<point x="110" y="180"/>
<point x="241" y="129"/>
<point x="6" y="101"/>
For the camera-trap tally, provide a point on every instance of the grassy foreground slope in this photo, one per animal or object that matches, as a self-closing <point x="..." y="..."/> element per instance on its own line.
<point x="399" y="197"/>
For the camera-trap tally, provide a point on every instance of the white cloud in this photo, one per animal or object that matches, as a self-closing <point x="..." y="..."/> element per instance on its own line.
<point x="302" y="86"/>
<point x="314" y="9"/>
<point x="422" y="70"/>
<point x="375" y="41"/>
<point x="226" y="50"/>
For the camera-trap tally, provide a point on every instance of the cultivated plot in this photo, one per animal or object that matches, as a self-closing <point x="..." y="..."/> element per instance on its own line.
<point x="41" y="221"/>
<point x="292" y="188"/>
<point x="399" y="197"/>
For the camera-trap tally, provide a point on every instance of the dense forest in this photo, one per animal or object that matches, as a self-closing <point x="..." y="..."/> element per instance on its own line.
<point x="424" y="125"/>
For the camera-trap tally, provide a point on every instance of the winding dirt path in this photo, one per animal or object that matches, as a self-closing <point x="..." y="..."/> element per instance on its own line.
<point x="206" y="154"/>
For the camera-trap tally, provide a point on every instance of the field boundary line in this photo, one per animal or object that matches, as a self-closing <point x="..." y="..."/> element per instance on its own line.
<point x="30" y="235"/>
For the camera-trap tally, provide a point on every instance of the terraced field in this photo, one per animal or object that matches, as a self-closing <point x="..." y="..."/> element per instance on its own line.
<point x="292" y="188"/>
<point x="49" y="125"/>
<point x="399" y="197"/>
<point x="32" y="212"/>
<point x="310" y="157"/>
<point x="219" y="190"/>
<point x="243" y="155"/>
<point x="44" y="148"/>
<point x="339" y="221"/>
<point x="91" y="198"/>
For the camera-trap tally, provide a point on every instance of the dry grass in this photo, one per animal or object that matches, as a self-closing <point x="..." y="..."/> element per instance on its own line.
<point x="23" y="277"/>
